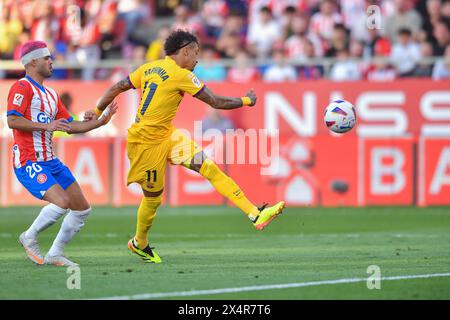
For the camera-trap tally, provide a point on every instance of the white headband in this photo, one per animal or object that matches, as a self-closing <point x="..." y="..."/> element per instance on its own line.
<point x="35" y="54"/>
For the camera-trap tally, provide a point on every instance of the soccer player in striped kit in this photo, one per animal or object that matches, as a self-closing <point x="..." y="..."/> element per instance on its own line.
<point x="34" y="112"/>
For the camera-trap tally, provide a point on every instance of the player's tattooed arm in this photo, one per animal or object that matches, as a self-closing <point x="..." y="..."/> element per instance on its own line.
<point x="121" y="86"/>
<point x="221" y="102"/>
<point x="107" y="98"/>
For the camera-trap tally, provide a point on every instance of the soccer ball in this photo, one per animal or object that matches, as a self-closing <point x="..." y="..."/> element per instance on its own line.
<point x="340" y="116"/>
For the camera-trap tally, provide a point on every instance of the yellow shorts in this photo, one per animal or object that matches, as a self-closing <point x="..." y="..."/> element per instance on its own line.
<point x="148" y="161"/>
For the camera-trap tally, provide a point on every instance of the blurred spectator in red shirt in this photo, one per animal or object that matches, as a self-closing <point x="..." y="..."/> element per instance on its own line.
<point x="46" y="27"/>
<point x="242" y="71"/>
<point x="294" y="45"/>
<point x="186" y="20"/>
<point x="214" y="13"/>
<point x="322" y="22"/>
<point x="380" y="70"/>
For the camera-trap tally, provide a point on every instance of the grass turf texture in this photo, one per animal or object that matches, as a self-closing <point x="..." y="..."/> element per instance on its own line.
<point x="216" y="247"/>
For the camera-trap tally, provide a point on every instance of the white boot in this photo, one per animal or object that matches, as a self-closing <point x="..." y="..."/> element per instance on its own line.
<point x="59" y="261"/>
<point x="31" y="247"/>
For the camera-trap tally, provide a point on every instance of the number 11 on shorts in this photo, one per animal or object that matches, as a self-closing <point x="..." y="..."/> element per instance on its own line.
<point x="149" y="176"/>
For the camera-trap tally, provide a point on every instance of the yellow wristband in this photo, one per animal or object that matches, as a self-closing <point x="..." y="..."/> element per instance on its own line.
<point x="98" y="112"/>
<point x="246" y="101"/>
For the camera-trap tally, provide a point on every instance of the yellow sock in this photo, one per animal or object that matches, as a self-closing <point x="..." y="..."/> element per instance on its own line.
<point x="227" y="187"/>
<point x="145" y="216"/>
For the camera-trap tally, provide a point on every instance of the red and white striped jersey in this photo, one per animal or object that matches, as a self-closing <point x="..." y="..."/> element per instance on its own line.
<point x="323" y="25"/>
<point x="38" y="104"/>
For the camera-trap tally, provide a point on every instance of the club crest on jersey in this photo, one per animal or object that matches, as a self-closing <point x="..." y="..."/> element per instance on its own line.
<point x="18" y="98"/>
<point x="41" y="178"/>
<point x="43" y="118"/>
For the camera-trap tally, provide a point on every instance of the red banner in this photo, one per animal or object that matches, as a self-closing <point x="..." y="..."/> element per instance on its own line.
<point x="403" y="107"/>
<point x="387" y="171"/>
<point x="306" y="172"/>
<point x="89" y="160"/>
<point x="393" y="156"/>
<point x="434" y="171"/>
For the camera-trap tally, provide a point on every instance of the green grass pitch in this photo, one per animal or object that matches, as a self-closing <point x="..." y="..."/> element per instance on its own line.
<point x="206" y="248"/>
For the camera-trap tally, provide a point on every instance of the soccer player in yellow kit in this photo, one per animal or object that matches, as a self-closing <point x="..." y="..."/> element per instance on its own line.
<point x="152" y="140"/>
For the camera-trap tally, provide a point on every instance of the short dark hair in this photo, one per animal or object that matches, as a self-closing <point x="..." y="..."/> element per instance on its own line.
<point x="290" y="9"/>
<point x="178" y="39"/>
<point x="404" y="31"/>
<point x="445" y="22"/>
<point x="266" y="9"/>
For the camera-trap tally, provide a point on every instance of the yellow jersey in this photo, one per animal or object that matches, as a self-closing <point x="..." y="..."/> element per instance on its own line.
<point x="163" y="84"/>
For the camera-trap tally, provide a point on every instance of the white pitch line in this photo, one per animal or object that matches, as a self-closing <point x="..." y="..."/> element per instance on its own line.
<point x="264" y="287"/>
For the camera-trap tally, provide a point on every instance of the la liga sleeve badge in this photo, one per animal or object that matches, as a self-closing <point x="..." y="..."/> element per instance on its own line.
<point x="18" y="98"/>
<point x="196" y="82"/>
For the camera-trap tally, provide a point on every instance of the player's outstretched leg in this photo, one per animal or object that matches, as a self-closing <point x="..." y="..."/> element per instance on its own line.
<point x="29" y="238"/>
<point x="146" y="214"/>
<point x="260" y="217"/>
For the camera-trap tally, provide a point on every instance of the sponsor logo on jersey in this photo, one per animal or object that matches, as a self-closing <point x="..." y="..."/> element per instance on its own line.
<point x="18" y="98"/>
<point x="43" y="118"/>
<point x="42" y="178"/>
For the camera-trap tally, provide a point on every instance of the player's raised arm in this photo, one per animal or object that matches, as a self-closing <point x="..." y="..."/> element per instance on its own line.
<point x="222" y="102"/>
<point x="108" y="97"/>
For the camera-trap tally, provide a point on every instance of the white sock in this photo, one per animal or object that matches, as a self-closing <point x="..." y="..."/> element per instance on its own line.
<point x="47" y="217"/>
<point x="72" y="223"/>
